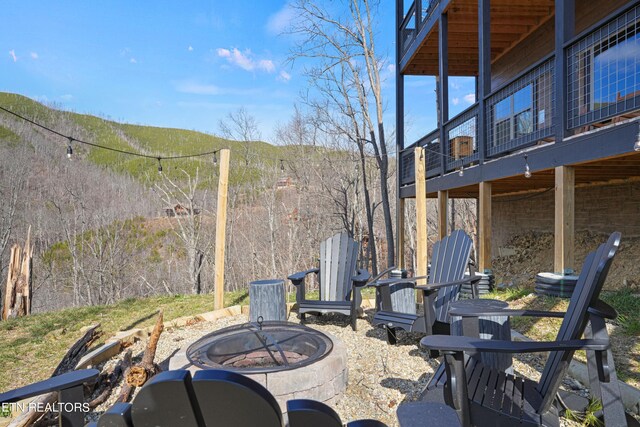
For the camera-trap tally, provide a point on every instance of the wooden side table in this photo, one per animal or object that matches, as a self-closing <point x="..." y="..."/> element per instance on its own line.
<point x="267" y="300"/>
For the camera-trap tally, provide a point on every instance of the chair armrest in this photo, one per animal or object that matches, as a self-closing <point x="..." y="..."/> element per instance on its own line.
<point x="361" y="278"/>
<point x="476" y="345"/>
<point x="490" y="311"/>
<point x="389" y="282"/>
<point x="57" y="383"/>
<point x="435" y="286"/>
<point x="297" y="278"/>
<point x="376" y="278"/>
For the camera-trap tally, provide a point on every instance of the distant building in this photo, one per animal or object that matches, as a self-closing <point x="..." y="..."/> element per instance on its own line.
<point x="180" y="210"/>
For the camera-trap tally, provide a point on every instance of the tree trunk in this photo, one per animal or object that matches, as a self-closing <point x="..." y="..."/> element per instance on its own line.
<point x="17" y="298"/>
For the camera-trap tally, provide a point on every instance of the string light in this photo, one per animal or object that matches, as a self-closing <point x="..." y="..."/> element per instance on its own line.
<point x="71" y="139"/>
<point x="461" y="171"/>
<point x="527" y="170"/>
<point x="282" y="165"/>
<point x="69" y="148"/>
<point x="215" y="159"/>
<point x="636" y="146"/>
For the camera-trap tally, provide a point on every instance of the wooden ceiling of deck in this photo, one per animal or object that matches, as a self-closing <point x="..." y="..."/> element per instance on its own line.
<point x="511" y="22"/>
<point x="604" y="171"/>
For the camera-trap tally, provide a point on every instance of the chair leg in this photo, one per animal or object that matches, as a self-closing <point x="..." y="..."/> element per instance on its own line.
<point x="302" y="317"/>
<point x="354" y="318"/>
<point x="392" y="337"/>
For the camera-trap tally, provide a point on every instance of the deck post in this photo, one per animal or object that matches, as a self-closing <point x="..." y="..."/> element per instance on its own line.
<point x="564" y="218"/>
<point x="221" y="228"/>
<point x="484" y="220"/>
<point x="483" y="82"/>
<point x="564" y="30"/>
<point x="443" y="89"/>
<point x="399" y="138"/>
<point x="421" y="214"/>
<point x="443" y="199"/>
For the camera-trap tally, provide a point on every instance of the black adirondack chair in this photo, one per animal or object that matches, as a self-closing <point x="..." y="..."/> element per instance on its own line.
<point x="311" y="413"/>
<point x="450" y="258"/>
<point x="70" y="391"/>
<point x="340" y="280"/>
<point x="212" y="398"/>
<point x="485" y="396"/>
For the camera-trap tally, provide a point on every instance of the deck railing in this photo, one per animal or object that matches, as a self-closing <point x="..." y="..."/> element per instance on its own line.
<point x="408" y="28"/>
<point x="521" y="112"/>
<point x="603" y="81"/>
<point x="461" y="143"/>
<point x="603" y="70"/>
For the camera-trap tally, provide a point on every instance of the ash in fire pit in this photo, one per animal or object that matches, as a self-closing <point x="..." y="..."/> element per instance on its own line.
<point x="289" y="359"/>
<point x="260" y="347"/>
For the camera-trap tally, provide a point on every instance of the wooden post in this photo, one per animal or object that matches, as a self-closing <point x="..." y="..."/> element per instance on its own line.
<point x="564" y="218"/>
<point x="443" y="199"/>
<point x="221" y="228"/>
<point x="484" y="221"/>
<point x="421" y="214"/>
<point x="17" y="297"/>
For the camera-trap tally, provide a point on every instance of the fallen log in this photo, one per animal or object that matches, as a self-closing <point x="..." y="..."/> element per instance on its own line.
<point x="138" y="375"/>
<point x="125" y="391"/>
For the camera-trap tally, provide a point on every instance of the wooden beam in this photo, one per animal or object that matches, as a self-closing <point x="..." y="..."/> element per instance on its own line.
<point x="484" y="220"/>
<point x="400" y="233"/>
<point x="421" y="213"/>
<point x="564" y="218"/>
<point x="443" y="199"/>
<point x="221" y="228"/>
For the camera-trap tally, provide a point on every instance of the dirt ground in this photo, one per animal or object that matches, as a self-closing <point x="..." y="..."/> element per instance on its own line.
<point x="534" y="254"/>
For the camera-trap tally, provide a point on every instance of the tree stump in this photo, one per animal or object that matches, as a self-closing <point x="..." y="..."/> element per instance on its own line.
<point x="267" y="300"/>
<point x="17" y="296"/>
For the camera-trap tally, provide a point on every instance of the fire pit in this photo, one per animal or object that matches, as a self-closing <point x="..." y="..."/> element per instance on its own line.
<point x="291" y="360"/>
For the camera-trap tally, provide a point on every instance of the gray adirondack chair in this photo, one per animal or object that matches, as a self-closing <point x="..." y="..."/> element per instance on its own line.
<point x="485" y="396"/>
<point x="311" y="413"/>
<point x="340" y="280"/>
<point x="449" y="260"/>
<point x="69" y="387"/>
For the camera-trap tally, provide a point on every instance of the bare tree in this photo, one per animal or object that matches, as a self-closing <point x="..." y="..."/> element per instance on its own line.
<point x="239" y="125"/>
<point x="188" y="223"/>
<point x="347" y="76"/>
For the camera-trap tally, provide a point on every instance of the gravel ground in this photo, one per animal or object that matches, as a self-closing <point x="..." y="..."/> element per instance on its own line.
<point x="380" y="376"/>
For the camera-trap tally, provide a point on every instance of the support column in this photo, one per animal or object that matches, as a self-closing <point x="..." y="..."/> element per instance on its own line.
<point x="484" y="220"/>
<point x="399" y="137"/>
<point x="564" y="219"/>
<point x="421" y="214"/>
<point x="565" y="23"/>
<point x="443" y="199"/>
<point x="483" y="87"/>
<point x="400" y="209"/>
<point x="443" y="88"/>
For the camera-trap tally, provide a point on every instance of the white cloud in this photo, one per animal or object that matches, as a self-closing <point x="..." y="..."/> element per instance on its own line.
<point x="12" y="53"/>
<point x="454" y="85"/>
<point x="223" y="53"/>
<point x="190" y="48"/>
<point x="391" y="68"/>
<point x="266" y="65"/>
<point x="626" y="50"/>
<point x="197" y="88"/>
<point x="470" y="98"/>
<point x="280" y="21"/>
<point x="133" y="61"/>
<point x="284" y="76"/>
<point x="244" y="59"/>
<point x="455" y="101"/>
<point x="34" y="55"/>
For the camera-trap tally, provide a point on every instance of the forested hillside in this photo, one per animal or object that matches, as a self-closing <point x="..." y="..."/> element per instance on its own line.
<point x="99" y="219"/>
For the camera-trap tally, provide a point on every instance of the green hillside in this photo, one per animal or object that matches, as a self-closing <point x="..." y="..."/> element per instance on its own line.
<point x="148" y="140"/>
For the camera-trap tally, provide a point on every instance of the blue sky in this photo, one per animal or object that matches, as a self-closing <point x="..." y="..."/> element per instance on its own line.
<point x="176" y="64"/>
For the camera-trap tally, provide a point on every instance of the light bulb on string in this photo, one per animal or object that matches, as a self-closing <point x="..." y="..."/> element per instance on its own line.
<point x="159" y="166"/>
<point x="527" y="170"/>
<point x="282" y="165"/>
<point x="69" y="149"/>
<point x="461" y="171"/>
<point x="215" y="159"/>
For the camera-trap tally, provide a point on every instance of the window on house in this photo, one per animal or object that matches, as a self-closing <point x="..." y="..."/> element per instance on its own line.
<point x="513" y="116"/>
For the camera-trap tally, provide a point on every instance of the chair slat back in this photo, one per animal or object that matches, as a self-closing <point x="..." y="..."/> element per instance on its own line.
<point x="449" y="259"/>
<point x="590" y="282"/>
<point x="338" y="262"/>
